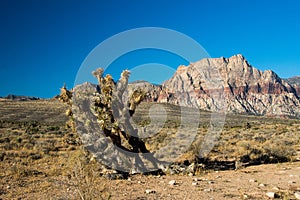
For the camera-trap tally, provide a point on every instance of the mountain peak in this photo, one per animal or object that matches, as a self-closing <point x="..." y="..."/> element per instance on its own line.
<point x="243" y="88"/>
<point x="238" y="56"/>
<point x="246" y="89"/>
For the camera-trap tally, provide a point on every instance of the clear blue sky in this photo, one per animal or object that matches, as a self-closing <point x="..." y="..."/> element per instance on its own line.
<point x="44" y="42"/>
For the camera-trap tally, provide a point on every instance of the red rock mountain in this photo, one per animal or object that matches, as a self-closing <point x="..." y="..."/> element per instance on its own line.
<point x="231" y="84"/>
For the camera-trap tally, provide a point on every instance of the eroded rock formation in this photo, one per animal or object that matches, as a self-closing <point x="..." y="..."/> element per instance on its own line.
<point x="241" y="88"/>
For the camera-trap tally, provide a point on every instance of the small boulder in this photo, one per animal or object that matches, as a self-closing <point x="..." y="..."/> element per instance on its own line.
<point x="252" y="180"/>
<point x="172" y="182"/>
<point x="261" y="185"/>
<point x="148" y="191"/>
<point x="272" y="195"/>
<point x="207" y="190"/>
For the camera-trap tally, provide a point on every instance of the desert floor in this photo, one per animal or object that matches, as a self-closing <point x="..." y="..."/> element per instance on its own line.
<point x="42" y="159"/>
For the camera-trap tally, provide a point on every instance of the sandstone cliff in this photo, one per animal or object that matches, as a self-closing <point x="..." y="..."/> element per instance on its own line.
<point x="232" y="84"/>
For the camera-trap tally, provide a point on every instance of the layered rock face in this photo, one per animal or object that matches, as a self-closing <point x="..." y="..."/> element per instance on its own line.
<point x="231" y="85"/>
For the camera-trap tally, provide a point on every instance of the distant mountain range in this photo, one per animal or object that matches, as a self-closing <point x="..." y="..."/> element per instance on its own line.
<point x="20" y="97"/>
<point x="212" y="83"/>
<point x="295" y="81"/>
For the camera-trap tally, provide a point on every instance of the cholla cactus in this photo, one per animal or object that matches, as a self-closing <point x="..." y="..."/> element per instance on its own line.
<point x="98" y="73"/>
<point x="66" y="97"/>
<point x="114" y="115"/>
<point x="123" y="82"/>
<point x="136" y="98"/>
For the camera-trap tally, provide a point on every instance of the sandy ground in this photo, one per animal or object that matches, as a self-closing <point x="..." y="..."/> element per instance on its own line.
<point x="248" y="183"/>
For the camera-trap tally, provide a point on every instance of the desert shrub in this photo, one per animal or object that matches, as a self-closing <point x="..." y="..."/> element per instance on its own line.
<point x="53" y="128"/>
<point x="270" y="151"/>
<point x="19" y="139"/>
<point x="248" y="151"/>
<point x="2" y="154"/>
<point x="8" y="146"/>
<point x="32" y="127"/>
<point x="18" y="170"/>
<point x="4" y="140"/>
<point x="28" y="146"/>
<point x="260" y="139"/>
<point x="278" y="151"/>
<point x="35" y="156"/>
<point x="86" y="177"/>
<point x="71" y="148"/>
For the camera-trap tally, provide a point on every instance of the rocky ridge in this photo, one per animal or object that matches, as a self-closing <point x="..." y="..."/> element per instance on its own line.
<point x="20" y="97"/>
<point x="227" y="84"/>
<point x="295" y="82"/>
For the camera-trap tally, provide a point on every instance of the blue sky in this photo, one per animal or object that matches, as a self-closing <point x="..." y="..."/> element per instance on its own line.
<point x="43" y="42"/>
